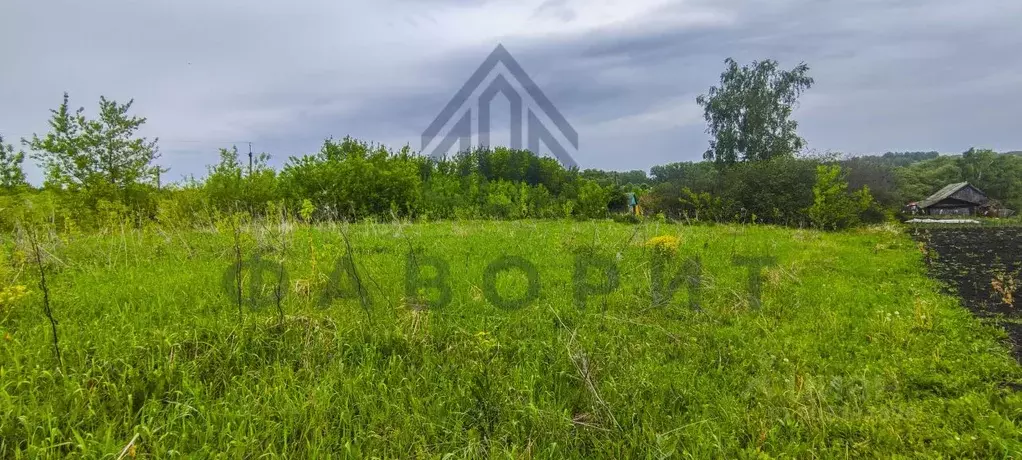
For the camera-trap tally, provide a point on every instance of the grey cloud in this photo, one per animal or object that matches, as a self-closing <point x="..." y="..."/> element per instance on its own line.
<point x="556" y="8"/>
<point x="906" y="74"/>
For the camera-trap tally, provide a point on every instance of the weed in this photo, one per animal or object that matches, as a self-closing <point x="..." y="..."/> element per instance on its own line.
<point x="47" y="309"/>
<point x="1005" y="285"/>
<point x="852" y="352"/>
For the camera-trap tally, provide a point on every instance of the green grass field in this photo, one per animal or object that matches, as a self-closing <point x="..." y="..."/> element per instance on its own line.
<point x="850" y="352"/>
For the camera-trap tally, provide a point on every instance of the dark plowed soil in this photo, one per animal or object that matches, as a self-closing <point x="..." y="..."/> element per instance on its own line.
<point x="982" y="265"/>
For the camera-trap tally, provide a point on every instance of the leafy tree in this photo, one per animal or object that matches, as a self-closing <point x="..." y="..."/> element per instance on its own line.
<point x="998" y="175"/>
<point x="353" y="179"/>
<point x="833" y="206"/>
<point x="877" y="174"/>
<point x="223" y="182"/>
<point x="702" y="206"/>
<point x="505" y="200"/>
<point x="592" y="200"/>
<point x="11" y="174"/>
<point x="748" y="114"/>
<point x="905" y="158"/>
<point x="919" y="180"/>
<point x="775" y="191"/>
<point x="671" y="181"/>
<point x="95" y="155"/>
<point x="976" y="164"/>
<point x="441" y="196"/>
<point x="607" y="178"/>
<point x="542" y="203"/>
<point x="700" y="176"/>
<point x="230" y="186"/>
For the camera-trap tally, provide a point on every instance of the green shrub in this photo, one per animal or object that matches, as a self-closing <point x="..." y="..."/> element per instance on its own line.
<point x="834" y="208"/>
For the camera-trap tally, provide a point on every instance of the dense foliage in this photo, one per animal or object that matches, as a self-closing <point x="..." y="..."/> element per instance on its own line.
<point x="97" y="159"/>
<point x="350" y="179"/>
<point x="99" y="170"/>
<point x="749" y="114"/>
<point x="12" y="175"/>
<point x="998" y="175"/>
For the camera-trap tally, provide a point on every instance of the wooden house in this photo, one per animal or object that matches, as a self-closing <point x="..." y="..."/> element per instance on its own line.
<point x="961" y="199"/>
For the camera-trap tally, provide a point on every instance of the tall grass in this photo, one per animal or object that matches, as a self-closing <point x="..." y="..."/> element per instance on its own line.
<point x="851" y="352"/>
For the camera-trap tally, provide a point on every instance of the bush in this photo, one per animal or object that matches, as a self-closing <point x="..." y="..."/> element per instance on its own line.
<point x="775" y="191"/>
<point x="703" y="206"/>
<point x="592" y="200"/>
<point x="834" y="208"/>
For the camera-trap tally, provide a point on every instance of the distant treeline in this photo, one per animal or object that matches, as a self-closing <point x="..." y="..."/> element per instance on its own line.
<point x="350" y="179"/>
<point x="347" y="179"/>
<point x="777" y="192"/>
<point x="895" y="181"/>
<point x="99" y="172"/>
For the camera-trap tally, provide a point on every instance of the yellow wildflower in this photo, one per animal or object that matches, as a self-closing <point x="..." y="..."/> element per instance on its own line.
<point x="11" y="293"/>
<point x="666" y="243"/>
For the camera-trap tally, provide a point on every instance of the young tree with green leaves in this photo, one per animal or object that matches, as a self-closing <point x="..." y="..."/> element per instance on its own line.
<point x="12" y="175"/>
<point x="834" y="208"/>
<point x="749" y="113"/>
<point x="102" y="155"/>
<point x="230" y="186"/>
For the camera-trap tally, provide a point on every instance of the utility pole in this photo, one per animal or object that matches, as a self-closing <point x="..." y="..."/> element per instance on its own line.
<point x="249" y="159"/>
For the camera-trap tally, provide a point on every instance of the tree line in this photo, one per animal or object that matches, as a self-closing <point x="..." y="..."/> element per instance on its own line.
<point x="98" y="170"/>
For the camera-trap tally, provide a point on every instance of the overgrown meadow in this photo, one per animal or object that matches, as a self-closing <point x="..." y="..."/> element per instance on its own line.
<point x="850" y="350"/>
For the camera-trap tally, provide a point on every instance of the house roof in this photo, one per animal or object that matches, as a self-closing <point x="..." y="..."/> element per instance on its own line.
<point x="942" y="194"/>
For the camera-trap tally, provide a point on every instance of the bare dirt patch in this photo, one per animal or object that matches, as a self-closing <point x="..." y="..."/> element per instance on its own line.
<point x="983" y="266"/>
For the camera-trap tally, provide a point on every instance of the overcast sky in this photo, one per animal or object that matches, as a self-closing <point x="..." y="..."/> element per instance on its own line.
<point x="890" y="74"/>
